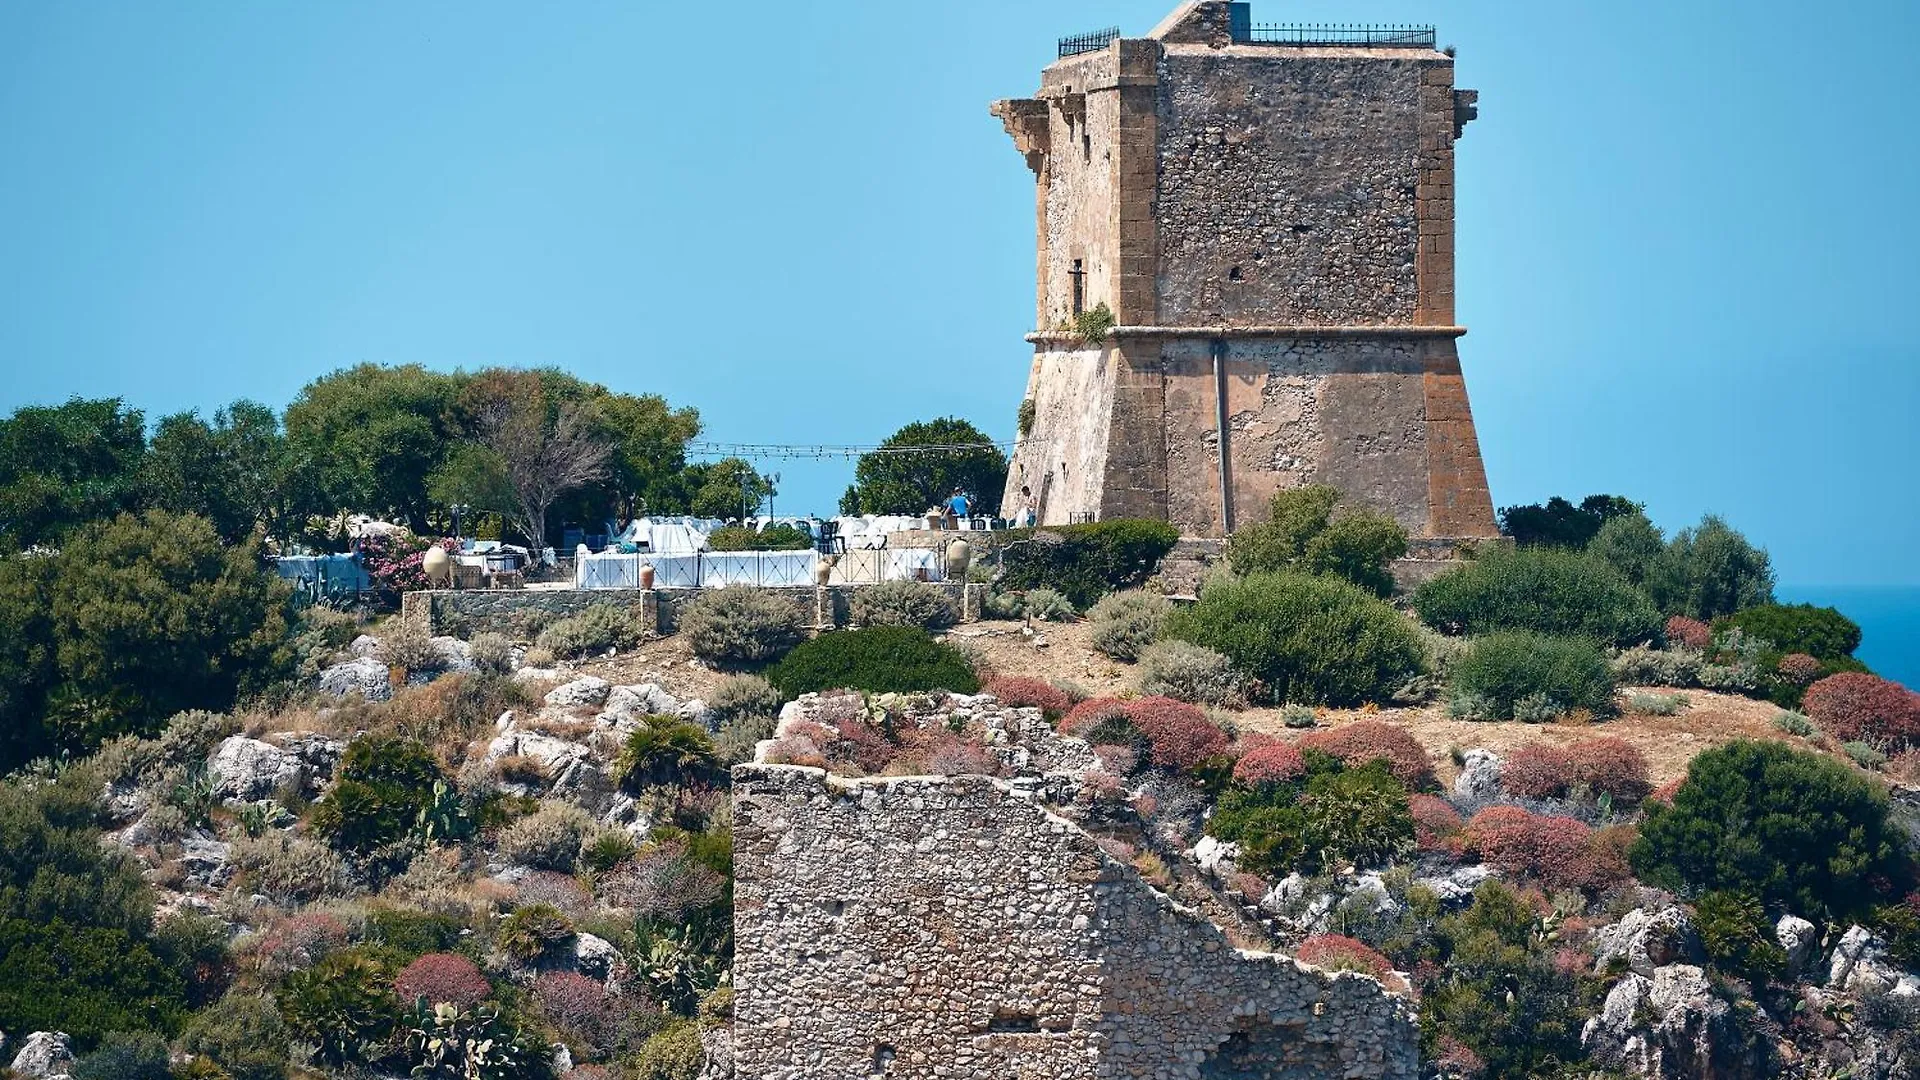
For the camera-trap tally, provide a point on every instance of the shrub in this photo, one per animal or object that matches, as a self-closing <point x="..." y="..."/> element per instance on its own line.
<point x="1794" y="829"/>
<point x="1856" y="706"/>
<point x="1337" y="816"/>
<point x="737" y="740"/>
<point x="1709" y="571"/>
<point x="664" y="750"/>
<point x="529" y="932"/>
<point x="737" y="696"/>
<point x="1799" y="668"/>
<point x="492" y="653"/>
<point x="385" y="782"/>
<point x="1821" y="632"/>
<point x="1559" y="523"/>
<point x="1609" y="767"/>
<point x="1631" y="544"/>
<point x="84" y="980"/>
<point x="125" y="1056"/>
<point x="918" y="604"/>
<point x="1309" y="639"/>
<point x="1502" y="671"/>
<point x="439" y="977"/>
<point x="1188" y="672"/>
<point x="673" y="1053"/>
<point x="1023" y="692"/>
<point x="581" y="1007"/>
<point x="288" y="869"/>
<point x="1103" y="721"/>
<point x="1048" y="605"/>
<point x="1436" y="824"/>
<point x="1122" y="625"/>
<point x="1373" y="740"/>
<point x="878" y="659"/>
<point x="774" y="537"/>
<point x="1085" y="562"/>
<point x="1497" y="996"/>
<point x="1865" y="755"/>
<point x="593" y="631"/>
<point x="951" y="755"/>
<point x="1643" y="665"/>
<point x="1269" y="762"/>
<point x="244" y="1033"/>
<point x="413" y="933"/>
<point x="1537" y="771"/>
<point x="1544" y="590"/>
<point x="298" y="942"/>
<point x="1793" y="723"/>
<point x="1299" y="716"/>
<point x="1302" y="534"/>
<point x="1179" y="736"/>
<point x="1559" y="851"/>
<point x="1334" y="952"/>
<point x="1689" y="633"/>
<point x="1737" y="936"/>
<point x="1656" y="704"/>
<point x="547" y="839"/>
<point x="340" y="1004"/>
<point x="407" y="643"/>
<point x="741" y="625"/>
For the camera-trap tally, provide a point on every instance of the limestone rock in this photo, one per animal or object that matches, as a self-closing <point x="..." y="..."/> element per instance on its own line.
<point x="1799" y="938"/>
<point x="205" y="860"/>
<point x="365" y="676"/>
<point x="44" y="1054"/>
<point x="366" y="645"/>
<point x="1216" y="857"/>
<point x="585" y="692"/>
<point x="1648" y="940"/>
<point x="626" y="705"/>
<point x="1860" y="961"/>
<point x="1456" y="886"/>
<point x="456" y="656"/>
<point x="318" y="754"/>
<point x="594" y="957"/>
<point x="561" y="1059"/>
<point x="247" y="769"/>
<point x="1479" y="777"/>
<point x="555" y="755"/>
<point x="717" y="1043"/>
<point x="1672" y="1026"/>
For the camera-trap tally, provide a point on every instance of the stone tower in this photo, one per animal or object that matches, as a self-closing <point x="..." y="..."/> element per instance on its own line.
<point x="1267" y="214"/>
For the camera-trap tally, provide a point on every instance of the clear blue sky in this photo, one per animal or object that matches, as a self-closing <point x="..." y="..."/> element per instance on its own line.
<point x="1687" y="231"/>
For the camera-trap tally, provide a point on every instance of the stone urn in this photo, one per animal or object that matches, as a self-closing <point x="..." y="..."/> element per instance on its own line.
<point x="438" y="566"/>
<point x="646" y="577"/>
<point x="959" y="558"/>
<point x="823" y="569"/>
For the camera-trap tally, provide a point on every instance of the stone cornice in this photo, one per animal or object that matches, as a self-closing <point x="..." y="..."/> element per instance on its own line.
<point x="1304" y="330"/>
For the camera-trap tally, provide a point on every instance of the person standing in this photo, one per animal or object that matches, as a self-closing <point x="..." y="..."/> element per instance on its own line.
<point x="1027" y="512"/>
<point x="957" y="508"/>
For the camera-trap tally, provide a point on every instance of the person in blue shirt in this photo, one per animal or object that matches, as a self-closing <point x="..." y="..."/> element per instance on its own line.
<point x="956" y="508"/>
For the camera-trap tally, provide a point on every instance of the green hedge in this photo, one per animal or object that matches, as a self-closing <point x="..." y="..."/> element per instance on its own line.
<point x="1088" y="561"/>
<point x="1542" y="589"/>
<point x="878" y="659"/>
<point x="1820" y="632"/>
<point x="1309" y="639"/>
<point x="771" y="538"/>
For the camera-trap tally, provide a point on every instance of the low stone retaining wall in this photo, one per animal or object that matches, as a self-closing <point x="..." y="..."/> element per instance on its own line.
<point x="517" y="613"/>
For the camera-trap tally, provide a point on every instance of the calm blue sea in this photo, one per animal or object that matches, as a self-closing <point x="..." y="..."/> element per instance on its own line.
<point x="1889" y="618"/>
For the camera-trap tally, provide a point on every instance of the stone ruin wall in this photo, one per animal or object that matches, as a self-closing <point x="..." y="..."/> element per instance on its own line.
<point x="935" y="927"/>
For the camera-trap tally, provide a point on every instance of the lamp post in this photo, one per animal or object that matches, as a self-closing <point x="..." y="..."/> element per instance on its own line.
<point x="458" y="509"/>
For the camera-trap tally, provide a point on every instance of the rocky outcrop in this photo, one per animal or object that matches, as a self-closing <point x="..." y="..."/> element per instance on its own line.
<point x="1798" y="939"/>
<point x="364" y="676"/>
<point x="1647" y="940"/>
<point x="247" y="769"/>
<point x="1673" y="1026"/>
<point x="44" y="1054"/>
<point x="1860" y="963"/>
<point x="1479" y="779"/>
<point x="586" y="692"/>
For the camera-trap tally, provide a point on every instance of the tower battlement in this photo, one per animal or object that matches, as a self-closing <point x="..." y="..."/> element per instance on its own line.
<point x="1267" y="214"/>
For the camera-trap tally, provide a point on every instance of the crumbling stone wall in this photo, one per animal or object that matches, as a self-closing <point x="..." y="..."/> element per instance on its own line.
<point x="934" y="927"/>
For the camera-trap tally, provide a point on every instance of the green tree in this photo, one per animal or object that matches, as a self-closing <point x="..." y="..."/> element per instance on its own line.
<point x="62" y="466"/>
<point x="1303" y="533"/>
<point x="233" y="472"/>
<point x="728" y="488"/>
<point x="896" y="479"/>
<point x="1797" y="830"/>
<point x="27" y="668"/>
<point x="1559" y="523"/>
<point x="1710" y="570"/>
<point x="1631" y="544"/>
<point x="371" y="436"/>
<point x="153" y="615"/>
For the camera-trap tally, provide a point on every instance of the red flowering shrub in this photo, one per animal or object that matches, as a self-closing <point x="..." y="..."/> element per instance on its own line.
<point x="1270" y="762"/>
<point x="1368" y="740"/>
<point x="1457" y="1060"/>
<point x="1798" y="668"/>
<point x="1118" y="760"/>
<point x="298" y="942"/>
<point x="1252" y="887"/>
<point x="582" y="1007"/>
<point x="562" y="891"/>
<point x="662" y="883"/>
<point x="397" y="561"/>
<point x="1179" y="734"/>
<point x="1559" y="851"/>
<point x="1610" y="767"/>
<point x="440" y="977"/>
<point x="1537" y="771"/>
<point x="1665" y="792"/>
<point x="1436" y="825"/>
<point x="796" y="750"/>
<point x="1854" y="706"/>
<point x="1093" y="713"/>
<point x="1022" y="692"/>
<point x="1335" y="952"/>
<point x="1689" y="633"/>
<point x="951" y="755"/>
<point x="863" y="745"/>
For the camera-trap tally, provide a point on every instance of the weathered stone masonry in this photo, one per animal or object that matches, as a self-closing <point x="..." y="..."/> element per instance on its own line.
<point x="933" y="927"/>
<point x="1272" y="227"/>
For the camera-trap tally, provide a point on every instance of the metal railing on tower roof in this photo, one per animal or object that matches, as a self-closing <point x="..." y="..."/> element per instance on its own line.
<point x="1086" y="43"/>
<point x="1378" y="37"/>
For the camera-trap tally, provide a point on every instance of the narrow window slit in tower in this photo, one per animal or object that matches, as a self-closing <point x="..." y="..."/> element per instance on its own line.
<point x="1079" y="276"/>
